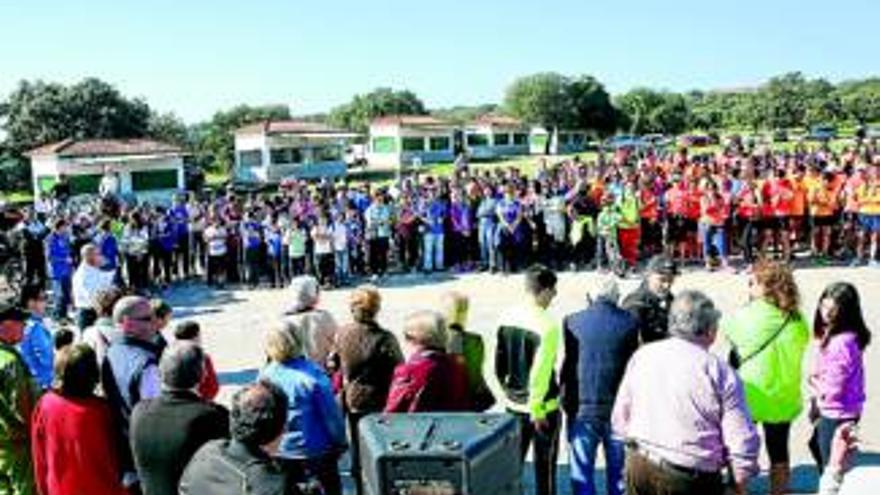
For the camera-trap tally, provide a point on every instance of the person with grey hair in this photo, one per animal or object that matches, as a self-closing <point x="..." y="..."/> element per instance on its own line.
<point x="168" y="430"/>
<point x="313" y="327"/>
<point x="697" y="398"/>
<point x="599" y="342"/>
<point x="130" y="370"/>
<point x="88" y="280"/>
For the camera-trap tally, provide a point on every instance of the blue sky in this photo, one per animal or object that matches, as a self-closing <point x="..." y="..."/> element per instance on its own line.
<point x="194" y="57"/>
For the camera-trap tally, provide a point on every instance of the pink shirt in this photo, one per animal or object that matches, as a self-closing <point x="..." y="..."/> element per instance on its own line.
<point x="837" y="378"/>
<point x="686" y="405"/>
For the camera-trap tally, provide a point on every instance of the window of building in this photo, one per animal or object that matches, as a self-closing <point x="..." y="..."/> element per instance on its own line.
<point x="84" y="184"/>
<point x="439" y="143"/>
<point x="284" y="156"/>
<point x="327" y="154"/>
<point x="46" y="182"/>
<point x="564" y="139"/>
<point x="478" y="140"/>
<point x="520" y="139"/>
<point x="502" y="139"/>
<point x="384" y="144"/>
<point x="539" y="140"/>
<point x="413" y="144"/>
<point x="250" y="158"/>
<point x="154" y="180"/>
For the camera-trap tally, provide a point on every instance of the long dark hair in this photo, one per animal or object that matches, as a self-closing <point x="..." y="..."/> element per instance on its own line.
<point x="849" y="315"/>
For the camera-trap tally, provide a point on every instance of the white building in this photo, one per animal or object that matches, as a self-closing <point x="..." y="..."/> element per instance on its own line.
<point x="149" y="170"/>
<point x="269" y="151"/>
<point x="561" y="142"/>
<point x="494" y="136"/>
<point x="410" y="139"/>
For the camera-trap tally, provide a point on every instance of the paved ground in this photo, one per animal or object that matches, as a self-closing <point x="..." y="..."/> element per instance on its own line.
<point x="234" y="322"/>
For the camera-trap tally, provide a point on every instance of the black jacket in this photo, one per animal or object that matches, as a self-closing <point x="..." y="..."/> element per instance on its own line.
<point x="651" y="313"/>
<point x="167" y="431"/>
<point x="599" y="341"/>
<point x="228" y="467"/>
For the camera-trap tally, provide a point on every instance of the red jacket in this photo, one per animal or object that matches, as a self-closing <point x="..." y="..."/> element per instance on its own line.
<point x="430" y="381"/>
<point x="73" y="447"/>
<point x="209" y="386"/>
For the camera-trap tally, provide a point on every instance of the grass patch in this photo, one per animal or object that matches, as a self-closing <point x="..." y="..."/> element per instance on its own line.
<point x="17" y="197"/>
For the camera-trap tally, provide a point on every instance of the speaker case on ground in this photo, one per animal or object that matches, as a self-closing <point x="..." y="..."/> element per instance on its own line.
<point x="441" y="454"/>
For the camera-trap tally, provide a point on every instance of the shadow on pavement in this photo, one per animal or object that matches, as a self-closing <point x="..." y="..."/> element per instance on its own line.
<point x="238" y="377"/>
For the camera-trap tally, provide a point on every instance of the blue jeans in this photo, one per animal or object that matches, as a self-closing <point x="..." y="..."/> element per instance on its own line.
<point x="487" y="244"/>
<point x="61" y="297"/>
<point x="584" y="437"/>
<point x="343" y="270"/>
<point x="433" y="256"/>
<point x="714" y="236"/>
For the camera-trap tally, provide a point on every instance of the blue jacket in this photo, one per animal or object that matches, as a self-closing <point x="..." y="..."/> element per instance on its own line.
<point x="37" y="349"/>
<point x="599" y="341"/>
<point x="314" y="420"/>
<point x="180" y="215"/>
<point x="59" y="256"/>
<point x="166" y="235"/>
<point x="109" y="249"/>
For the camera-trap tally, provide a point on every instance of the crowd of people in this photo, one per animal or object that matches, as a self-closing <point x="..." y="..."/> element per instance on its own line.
<point x="125" y="407"/>
<point x="724" y="210"/>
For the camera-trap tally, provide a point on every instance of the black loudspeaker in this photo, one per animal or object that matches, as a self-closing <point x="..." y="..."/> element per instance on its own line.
<point x="441" y="454"/>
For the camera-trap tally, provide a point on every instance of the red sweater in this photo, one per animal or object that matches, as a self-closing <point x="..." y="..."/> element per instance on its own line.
<point x="209" y="387"/>
<point x="429" y="381"/>
<point x="73" y="447"/>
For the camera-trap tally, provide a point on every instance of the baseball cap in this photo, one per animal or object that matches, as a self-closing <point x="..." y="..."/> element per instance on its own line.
<point x="663" y="265"/>
<point x="10" y="311"/>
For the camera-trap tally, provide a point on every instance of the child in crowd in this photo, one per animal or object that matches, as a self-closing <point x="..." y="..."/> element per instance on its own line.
<point x="209" y="386"/>
<point x="37" y="346"/>
<point x="606" y="233"/>
<point x="162" y="314"/>
<point x="273" y="255"/>
<point x="837" y="378"/>
<point x="296" y="248"/>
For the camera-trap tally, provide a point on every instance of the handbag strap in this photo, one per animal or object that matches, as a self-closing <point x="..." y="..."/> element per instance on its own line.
<point x="767" y="343"/>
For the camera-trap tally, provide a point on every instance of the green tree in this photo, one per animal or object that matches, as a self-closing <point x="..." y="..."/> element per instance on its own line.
<point x="648" y="110"/>
<point x="591" y="106"/>
<point x="541" y="99"/>
<point x="168" y="128"/>
<point x="37" y="113"/>
<point x="362" y="109"/>
<point x="860" y="100"/>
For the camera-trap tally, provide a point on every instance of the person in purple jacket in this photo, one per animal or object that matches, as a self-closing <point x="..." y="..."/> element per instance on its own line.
<point x="837" y="378"/>
<point x="180" y="218"/>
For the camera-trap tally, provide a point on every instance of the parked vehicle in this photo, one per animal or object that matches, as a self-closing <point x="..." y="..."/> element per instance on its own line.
<point x="822" y="133"/>
<point x="694" y="140"/>
<point x="656" y="140"/>
<point x="356" y="155"/>
<point x="624" y="141"/>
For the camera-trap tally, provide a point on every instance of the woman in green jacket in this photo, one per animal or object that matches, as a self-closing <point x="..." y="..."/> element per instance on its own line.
<point x="769" y="337"/>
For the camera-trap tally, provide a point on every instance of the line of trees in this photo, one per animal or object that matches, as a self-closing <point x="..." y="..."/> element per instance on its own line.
<point x="37" y="113"/>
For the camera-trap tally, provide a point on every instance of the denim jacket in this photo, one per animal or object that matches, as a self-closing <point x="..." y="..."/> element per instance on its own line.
<point x="315" y="425"/>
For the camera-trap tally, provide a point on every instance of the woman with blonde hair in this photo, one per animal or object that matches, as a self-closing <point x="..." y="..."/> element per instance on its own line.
<point x="431" y="379"/>
<point x="314" y="436"/>
<point x="467" y="347"/>
<point x="364" y="355"/>
<point x="769" y="337"/>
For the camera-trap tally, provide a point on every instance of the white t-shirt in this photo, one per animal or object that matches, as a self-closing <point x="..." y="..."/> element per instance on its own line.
<point x="323" y="237"/>
<point x="216" y="237"/>
<point x="340" y="237"/>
